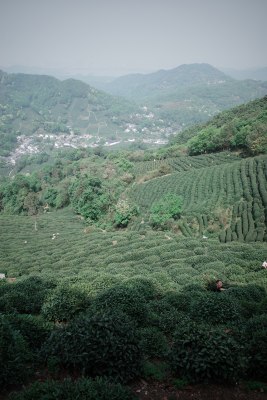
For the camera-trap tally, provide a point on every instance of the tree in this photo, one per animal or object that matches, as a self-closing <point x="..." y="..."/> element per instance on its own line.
<point x="169" y="207"/>
<point x="89" y="197"/>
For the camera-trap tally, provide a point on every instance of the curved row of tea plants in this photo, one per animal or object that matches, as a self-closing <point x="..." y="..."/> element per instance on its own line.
<point x="229" y="198"/>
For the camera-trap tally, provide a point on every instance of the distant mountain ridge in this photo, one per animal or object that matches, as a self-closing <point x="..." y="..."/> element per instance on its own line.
<point x="258" y="74"/>
<point x="188" y="94"/>
<point x="186" y="75"/>
<point x="144" y="107"/>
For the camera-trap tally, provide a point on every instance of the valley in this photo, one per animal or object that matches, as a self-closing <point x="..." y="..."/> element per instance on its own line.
<point x="118" y="218"/>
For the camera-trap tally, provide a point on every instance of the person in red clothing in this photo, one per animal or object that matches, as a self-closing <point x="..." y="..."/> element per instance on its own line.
<point x="219" y="285"/>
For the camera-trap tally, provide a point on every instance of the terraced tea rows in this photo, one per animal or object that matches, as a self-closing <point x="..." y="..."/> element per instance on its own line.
<point x="230" y="197"/>
<point x="102" y="259"/>
<point x="180" y="164"/>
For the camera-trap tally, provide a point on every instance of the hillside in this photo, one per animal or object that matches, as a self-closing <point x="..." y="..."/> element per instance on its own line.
<point x="187" y="94"/>
<point x="39" y="112"/>
<point x="152" y="292"/>
<point x="241" y="128"/>
<point x="127" y="275"/>
<point x="141" y="86"/>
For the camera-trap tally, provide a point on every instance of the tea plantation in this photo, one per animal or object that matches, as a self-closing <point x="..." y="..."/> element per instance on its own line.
<point x="103" y="304"/>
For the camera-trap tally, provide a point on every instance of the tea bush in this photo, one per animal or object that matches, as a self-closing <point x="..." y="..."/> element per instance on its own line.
<point x="25" y="296"/>
<point x="14" y="355"/>
<point x="125" y="299"/>
<point x="153" y="342"/>
<point x="256" y="345"/>
<point x="63" y="303"/>
<point x="202" y="353"/>
<point x="97" y="345"/>
<point x="34" y="329"/>
<point x="215" y="308"/>
<point x="82" y="389"/>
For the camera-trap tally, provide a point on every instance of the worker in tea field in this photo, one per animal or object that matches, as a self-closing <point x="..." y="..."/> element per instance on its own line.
<point x="219" y="285"/>
<point x="264" y="264"/>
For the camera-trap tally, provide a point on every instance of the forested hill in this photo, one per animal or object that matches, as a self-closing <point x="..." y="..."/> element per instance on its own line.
<point x="188" y="94"/>
<point x="139" y="86"/>
<point x="185" y="81"/>
<point x="243" y="127"/>
<point x="29" y="103"/>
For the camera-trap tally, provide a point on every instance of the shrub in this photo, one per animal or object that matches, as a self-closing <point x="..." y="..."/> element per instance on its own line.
<point x="256" y="345"/>
<point x="63" y="303"/>
<point x="125" y="299"/>
<point x="202" y="353"/>
<point x="102" y="344"/>
<point x="167" y="208"/>
<point x="14" y="355"/>
<point x="153" y="342"/>
<point x="156" y="371"/>
<point x="25" y="296"/>
<point x="82" y="389"/>
<point x="33" y="329"/>
<point x="215" y="308"/>
<point x="124" y="212"/>
<point x="144" y="286"/>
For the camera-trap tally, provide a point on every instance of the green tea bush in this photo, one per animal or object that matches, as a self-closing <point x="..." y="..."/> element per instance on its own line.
<point x="215" y="308"/>
<point x="201" y="353"/>
<point x="250" y="292"/>
<point x="25" y="296"/>
<point x="96" y="345"/>
<point x="256" y="345"/>
<point x="82" y="389"/>
<point x="152" y="341"/>
<point x="129" y="300"/>
<point x="144" y="286"/>
<point x="165" y="316"/>
<point x="157" y="371"/>
<point x="33" y="328"/>
<point x="63" y="303"/>
<point x="104" y="281"/>
<point x="14" y="355"/>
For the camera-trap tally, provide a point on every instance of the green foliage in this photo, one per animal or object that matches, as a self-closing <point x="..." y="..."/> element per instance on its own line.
<point x="201" y="353"/>
<point x="242" y="127"/>
<point x="156" y="371"/>
<point x="124" y="212"/>
<point x="100" y="344"/>
<point x="123" y="299"/>
<point x="168" y="207"/>
<point x="180" y="383"/>
<point x="256" y="345"/>
<point x="64" y="302"/>
<point x="25" y="296"/>
<point x="32" y="328"/>
<point x="215" y="308"/>
<point x="82" y="389"/>
<point x="19" y="195"/>
<point x="89" y="198"/>
<point x="153" y="342"/>
<point x="14" y="355"/>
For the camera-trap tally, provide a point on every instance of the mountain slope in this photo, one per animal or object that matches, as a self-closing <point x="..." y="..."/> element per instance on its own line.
<point x="243" y="127"/>
<point x="187" y="94"/>
<point x="140" y="86"/>
<point x="39" y="103"/>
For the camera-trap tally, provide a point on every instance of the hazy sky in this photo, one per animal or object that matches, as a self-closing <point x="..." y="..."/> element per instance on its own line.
<point x="122" y="36"/>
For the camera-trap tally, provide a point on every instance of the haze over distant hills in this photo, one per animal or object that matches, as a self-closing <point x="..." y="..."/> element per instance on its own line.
<point x="258" y="74"/>
<point x="149" y="108"/>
